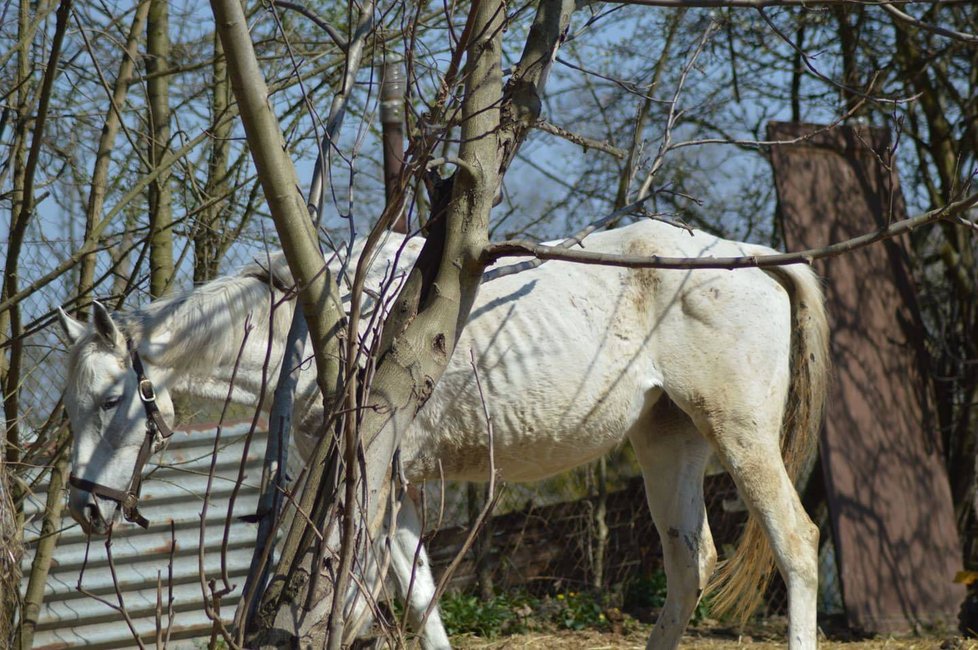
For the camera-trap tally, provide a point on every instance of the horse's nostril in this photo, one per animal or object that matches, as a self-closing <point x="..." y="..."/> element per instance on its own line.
<point x="94" y="514"/>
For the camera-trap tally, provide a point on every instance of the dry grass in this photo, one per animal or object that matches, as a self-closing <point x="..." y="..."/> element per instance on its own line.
<point x="591" y="640"/>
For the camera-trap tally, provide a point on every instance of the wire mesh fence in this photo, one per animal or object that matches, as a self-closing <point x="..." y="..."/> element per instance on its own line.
<point x="580" y="531"/>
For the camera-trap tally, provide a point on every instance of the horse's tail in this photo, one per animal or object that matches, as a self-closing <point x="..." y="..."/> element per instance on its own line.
<point x="740" y="582"/>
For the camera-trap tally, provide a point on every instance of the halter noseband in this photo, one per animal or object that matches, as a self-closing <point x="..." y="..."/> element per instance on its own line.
<point x="157" y="435"/>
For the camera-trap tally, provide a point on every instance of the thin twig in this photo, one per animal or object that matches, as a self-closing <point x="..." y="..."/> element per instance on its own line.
<point x="121" y="605"/>
<point x="213" y="466"/>
<point x="666" y="144"/>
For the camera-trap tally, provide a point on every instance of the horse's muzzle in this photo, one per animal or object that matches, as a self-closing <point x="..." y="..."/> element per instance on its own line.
<point x="94" y="515"/>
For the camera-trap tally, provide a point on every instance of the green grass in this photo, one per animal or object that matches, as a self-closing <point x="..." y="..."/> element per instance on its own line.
<point x="521" y="612"/>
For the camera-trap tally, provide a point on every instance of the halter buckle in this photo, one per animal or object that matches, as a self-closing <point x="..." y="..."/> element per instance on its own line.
<point x="146" y="391"/>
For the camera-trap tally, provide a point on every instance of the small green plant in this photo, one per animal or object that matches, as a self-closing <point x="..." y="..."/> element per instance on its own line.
<point x="520" y="612"/>
<point x="702" y="611"/>
<point x="579" y="611"/>
<point x="466" y="614"/>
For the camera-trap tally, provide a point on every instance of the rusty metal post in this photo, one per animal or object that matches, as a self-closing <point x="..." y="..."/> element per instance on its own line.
<point x="392" y="124"/>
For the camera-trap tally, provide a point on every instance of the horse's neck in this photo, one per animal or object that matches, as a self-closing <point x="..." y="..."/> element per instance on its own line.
<point x="243" y="381"/>
<point x="222" y="334"/>
<point x="226" y="330"/>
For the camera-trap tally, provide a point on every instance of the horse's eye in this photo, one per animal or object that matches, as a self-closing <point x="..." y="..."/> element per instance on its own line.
<point x="110" y="403"/>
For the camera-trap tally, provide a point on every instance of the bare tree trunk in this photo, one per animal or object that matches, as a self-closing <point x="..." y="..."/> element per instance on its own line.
<point x="318" y="293"/>
<point x="419" y="336"/>
<point x="438" y="293"/>
<point x="22" y="210"/>
<point x="208" y="230"/>
<point x="103" y="155"/>
<point x="280" y="431"/>
<point x="797" y="70"/>
<point x="10" y="328"/>
<point x="849" y="37"/>
<point x="25" y="164"/>
<point x="392" y="126"/>
<point x="158" y="92"/>
<point x="44" y="551"/>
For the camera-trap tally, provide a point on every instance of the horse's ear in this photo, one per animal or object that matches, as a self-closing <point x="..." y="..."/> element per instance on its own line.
<point x="105" y="326"/>
<point x="73" y="328"/>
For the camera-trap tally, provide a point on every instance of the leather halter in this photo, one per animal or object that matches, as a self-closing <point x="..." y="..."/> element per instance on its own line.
<point x="157" y="435"/>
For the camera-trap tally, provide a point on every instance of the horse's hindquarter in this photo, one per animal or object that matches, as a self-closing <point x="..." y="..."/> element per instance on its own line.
<point x="723" y="336"/>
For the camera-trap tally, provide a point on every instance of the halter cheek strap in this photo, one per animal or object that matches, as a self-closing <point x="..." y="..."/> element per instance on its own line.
<point x="157" y="434"/>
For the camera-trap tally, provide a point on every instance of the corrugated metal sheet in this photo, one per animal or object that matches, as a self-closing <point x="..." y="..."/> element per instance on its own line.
<point x="173" y="492"/>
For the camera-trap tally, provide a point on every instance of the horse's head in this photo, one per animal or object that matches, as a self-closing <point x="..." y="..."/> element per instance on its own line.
<point x="117" y="419"/>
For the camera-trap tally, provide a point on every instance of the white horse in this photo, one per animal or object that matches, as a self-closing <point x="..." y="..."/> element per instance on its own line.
<point x="572" y="358"/>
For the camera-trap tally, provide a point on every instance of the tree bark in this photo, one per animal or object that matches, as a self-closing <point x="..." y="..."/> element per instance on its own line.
<point x="25" y="162"/>
<point x="44" y="552"/>
<point x="158" y="95"/>
<point x="22" y="210"/>
<point x="208" y="230"/>
<point x="318" y="294"/>
<point x="420" y="334"/>
<point x="280" y="432"/>
<point x="103" y="157"/>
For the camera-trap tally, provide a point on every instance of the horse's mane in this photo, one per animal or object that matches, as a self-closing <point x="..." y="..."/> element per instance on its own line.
<point x="206" y="325"/>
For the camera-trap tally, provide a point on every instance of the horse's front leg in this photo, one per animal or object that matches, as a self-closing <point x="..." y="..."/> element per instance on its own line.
<point x="413" y="577"/>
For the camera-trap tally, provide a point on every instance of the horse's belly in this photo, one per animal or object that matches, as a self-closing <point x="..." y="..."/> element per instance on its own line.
<point x="527" y="454"/>
<point x="549" y="423"/>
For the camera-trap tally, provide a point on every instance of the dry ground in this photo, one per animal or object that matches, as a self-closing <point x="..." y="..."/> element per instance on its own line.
<point x="590" y="640"/>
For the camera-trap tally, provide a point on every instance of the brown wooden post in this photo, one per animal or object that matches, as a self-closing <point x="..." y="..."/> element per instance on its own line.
<point x="887" y="488"/>
<point x="392" y="124"/>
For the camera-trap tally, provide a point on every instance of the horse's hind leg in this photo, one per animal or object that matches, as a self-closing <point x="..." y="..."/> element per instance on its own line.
<point x="748" y="444"/>
<point x="673" y="455"/>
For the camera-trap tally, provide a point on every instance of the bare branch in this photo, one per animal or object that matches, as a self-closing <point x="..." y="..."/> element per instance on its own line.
<point x="935" y="29"/>
<point x="522" y="248"/>
<point x="331" y="31"/>
<point x="582" y="141"/>
<point x="570" y="242"/>
<point x="317" y="290"/>
<point x="666" y="143"/>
